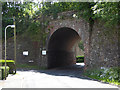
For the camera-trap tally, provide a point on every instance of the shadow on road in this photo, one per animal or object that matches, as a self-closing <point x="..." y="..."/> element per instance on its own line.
<point x="71" y="71"/>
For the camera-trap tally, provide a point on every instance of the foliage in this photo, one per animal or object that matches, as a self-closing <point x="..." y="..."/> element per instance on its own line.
<point x="79" y="59"/>
<point x="7" y="61"/>
<point x="10" y="64"/>
<point x="32" y="18"/>
<point x="108" y="11"/>
<point x="79" y="56"/>
<point x="81" y="46"/>
<point x="23" y="16"/>
<point x="110" y="75"/>
<point x="2" y="70"/>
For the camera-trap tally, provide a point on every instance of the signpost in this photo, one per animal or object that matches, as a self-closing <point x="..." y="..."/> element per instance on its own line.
<point x="25" y="53"/>
<point x="43" y="52"/>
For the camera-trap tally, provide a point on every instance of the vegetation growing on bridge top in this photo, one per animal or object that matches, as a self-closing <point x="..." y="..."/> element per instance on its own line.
<point x="32" y="17"/>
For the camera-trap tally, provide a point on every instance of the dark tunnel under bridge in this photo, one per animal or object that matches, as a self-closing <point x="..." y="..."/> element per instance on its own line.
<point x="61" y="47"/>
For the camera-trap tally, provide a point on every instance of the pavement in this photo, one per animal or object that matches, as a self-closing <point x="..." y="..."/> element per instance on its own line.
<point x="53" y="78"/>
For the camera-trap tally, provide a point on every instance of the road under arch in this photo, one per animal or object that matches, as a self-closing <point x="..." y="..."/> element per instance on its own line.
<point x="61" y="47"/>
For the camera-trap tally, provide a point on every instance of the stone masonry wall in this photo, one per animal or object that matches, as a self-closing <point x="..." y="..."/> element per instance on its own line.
<point x="104" y="46"/>
<point x="79" y="25"/>
<point x="103" y="51"/>
<point x="23" y="44"/>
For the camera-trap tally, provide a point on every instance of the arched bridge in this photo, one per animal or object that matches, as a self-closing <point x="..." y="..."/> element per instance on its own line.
<point x="65" y="33"/>
<point x="101" y="46"/>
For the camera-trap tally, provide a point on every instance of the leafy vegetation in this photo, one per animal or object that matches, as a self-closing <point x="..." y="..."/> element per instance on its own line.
<point x="81" y="46"/>
<point x="107" y="11"/>
<point x="79" y="59"/>
<point x="111" y="75"/>
<point x="3" y="61"/>
<point x="2" y="71"/>
<point x="10" y="64"/>
<point x="31" y="17"/>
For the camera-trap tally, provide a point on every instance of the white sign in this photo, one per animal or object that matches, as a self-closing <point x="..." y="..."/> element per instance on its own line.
<point x="25" y="53"/>
<point x="43" y="52"/>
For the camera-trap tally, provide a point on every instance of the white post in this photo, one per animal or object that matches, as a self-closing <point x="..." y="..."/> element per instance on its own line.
<point x="5" y="53"/>
<point x="12" y="26"/>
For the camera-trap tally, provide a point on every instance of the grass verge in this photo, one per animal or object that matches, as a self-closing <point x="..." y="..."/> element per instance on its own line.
<point x="26" y="66"/>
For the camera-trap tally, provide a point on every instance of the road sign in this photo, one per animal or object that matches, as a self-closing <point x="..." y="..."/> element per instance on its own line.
<point x="43" y="52"/>
<point x="25" y="53"/>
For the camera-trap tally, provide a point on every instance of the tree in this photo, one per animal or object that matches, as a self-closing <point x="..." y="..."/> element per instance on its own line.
<point x="28" y="13"/>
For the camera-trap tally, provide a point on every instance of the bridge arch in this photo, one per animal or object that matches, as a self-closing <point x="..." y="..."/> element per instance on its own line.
<point x="61" y="47"/>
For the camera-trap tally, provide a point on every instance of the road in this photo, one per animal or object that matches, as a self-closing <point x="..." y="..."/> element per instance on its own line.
<point x="54" y="78"/>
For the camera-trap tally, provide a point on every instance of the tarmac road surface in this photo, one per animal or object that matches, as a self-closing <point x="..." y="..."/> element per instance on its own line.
<point x="54" y="78"/>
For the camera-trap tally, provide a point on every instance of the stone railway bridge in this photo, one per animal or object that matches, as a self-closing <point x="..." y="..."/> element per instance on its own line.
<point x="101" y="46"/>
<point x="63" y="37"/>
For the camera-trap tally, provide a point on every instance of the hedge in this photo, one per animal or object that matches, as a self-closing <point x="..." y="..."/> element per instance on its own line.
<point x="2" y="72"/>
<point x="3" y="61"/>
<point x="79" y="59"/>
<point x="10" y="64"/>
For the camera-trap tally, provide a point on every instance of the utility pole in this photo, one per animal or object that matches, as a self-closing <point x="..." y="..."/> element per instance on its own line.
<point x="14" y="42"/>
